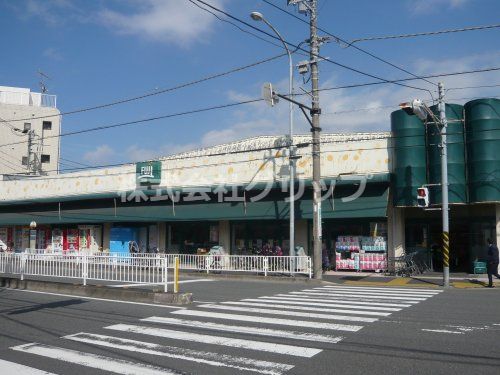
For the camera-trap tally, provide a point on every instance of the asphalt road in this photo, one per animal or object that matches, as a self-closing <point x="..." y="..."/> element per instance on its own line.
<point x="300" y="328"/>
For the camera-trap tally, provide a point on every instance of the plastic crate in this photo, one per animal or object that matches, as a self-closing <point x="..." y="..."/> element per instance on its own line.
<point x="479" y="267"/>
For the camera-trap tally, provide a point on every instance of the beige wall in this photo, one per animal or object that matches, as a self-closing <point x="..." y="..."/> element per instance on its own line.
<point x="341" y="154"/>
<point x="11" y="155"/>
<point x="225" y="235"/>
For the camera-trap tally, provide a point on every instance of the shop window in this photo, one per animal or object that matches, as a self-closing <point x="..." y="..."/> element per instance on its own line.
<point x="47" y="125"/>
<point x="45" y="158"/>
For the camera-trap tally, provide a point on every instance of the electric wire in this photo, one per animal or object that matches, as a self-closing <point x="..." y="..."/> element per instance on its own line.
<point x="157" y="92"/>
<point x="315" y="55"/>
<point x="340" y="40"/>
<point x="413" y="35"/>
<point x="146" y="120"/>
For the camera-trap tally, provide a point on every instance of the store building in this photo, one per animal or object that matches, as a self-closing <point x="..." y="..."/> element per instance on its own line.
<point x="30" y="126"/>
<point x="235" y="195"/>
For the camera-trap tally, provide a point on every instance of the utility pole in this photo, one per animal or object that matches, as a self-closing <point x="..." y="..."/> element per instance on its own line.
<point x="315" y="112"/>
<point x="444" y="187"/>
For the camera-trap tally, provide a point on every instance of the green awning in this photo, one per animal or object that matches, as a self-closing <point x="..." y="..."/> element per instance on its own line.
<point x="372" y="203"/>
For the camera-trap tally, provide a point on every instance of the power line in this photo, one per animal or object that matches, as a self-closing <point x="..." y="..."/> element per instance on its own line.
<point x="317" y="55"/>
<point x="157" y="92"/>
<point x="473" y="87"/>
<point x="75" y="162"/>
<point x="339" y="39"/>
<point x="473" y="28"/>
<point x="178" y="114"/>
<point x="407" y="79"/>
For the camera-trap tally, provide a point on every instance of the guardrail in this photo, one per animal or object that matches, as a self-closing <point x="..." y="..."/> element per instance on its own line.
<point x="145" y="268"/>
<point x="129" y="269"/>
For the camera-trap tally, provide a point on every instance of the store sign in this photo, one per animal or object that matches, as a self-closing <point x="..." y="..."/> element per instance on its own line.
<point x="148" y="173"/>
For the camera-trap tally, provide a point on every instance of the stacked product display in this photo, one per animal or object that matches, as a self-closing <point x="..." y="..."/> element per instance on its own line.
<point x="361" y="253"/>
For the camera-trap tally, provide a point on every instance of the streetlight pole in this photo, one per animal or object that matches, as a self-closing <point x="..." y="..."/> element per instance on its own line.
<point x="256" y="16"/>
<point x="444" y="187"/>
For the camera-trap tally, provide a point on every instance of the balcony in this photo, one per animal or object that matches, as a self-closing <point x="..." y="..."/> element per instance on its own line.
<point x="25" y="97"/>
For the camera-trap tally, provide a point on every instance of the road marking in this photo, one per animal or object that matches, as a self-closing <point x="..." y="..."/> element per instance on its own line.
<point x="388" y="290"/>
<point x="266" y="320"/>
<point x="291" y="301"/>
<point x="285" y="305"/>
<point x="298" y="351"/>
<point x="442" y="331"/>
<point x="292" y="335"/>
<point x="291" y="313"/>
<point x="363" y="296"/>
<point x="208" y="358"/>
<point x="338" y="300"/>
<point x="99" y="362"/>
<point x="15" y="368"/>
<point x="375" y="293"/>
<point x="97" y="299"/>
<point x="150" y="284"/>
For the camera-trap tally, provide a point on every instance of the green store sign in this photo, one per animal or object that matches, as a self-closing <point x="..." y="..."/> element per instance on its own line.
<point x="148" y="173"/>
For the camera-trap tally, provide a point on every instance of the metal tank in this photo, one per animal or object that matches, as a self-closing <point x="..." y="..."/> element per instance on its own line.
<point x="409" y="157"/>
<point x="457" y="185"/>
<point x="482" y="123"/>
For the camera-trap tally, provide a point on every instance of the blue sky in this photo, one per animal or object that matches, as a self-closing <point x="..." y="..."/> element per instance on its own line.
<point x="101" y="51"/>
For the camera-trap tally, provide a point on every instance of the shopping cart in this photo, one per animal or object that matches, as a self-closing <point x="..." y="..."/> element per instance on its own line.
<point x="407" y="265"/>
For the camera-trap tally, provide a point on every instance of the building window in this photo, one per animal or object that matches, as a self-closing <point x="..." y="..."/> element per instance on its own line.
<point x="25" y="160"/>
<point x="27" y="127"/>
<point x="47" y="125"/>
<point x="45" y="158"/>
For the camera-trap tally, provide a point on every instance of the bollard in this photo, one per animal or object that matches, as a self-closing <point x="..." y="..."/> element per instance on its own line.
<point x="176" y="275"/>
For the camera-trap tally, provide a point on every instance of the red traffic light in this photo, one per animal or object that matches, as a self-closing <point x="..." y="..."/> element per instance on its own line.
<point x="422" y="192"/>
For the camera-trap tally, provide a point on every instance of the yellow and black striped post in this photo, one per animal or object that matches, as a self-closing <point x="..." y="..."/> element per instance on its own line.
<point x="446" y="249"/>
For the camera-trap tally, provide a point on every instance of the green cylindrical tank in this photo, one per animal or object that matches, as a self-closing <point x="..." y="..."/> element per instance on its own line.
<point x="409" y="158"/>
<point x="457" y="185"/>
<point x="482" y="124"/>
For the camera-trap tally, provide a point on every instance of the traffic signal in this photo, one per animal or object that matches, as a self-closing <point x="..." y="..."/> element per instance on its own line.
<point x="423" y="197"/>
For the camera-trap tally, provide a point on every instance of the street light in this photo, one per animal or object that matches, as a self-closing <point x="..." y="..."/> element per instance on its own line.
<point x="256" y="16"/>
<point x="422" y="111"/>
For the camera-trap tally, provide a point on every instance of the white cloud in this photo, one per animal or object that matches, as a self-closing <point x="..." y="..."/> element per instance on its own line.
<point x="172" y="21"/>
<point x="52" y="53"/>
<point x="432" y="6"/>
<point x="101" y="155"/>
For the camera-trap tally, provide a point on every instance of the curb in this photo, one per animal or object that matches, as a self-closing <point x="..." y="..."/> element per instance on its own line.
<point x="98" y="291"/>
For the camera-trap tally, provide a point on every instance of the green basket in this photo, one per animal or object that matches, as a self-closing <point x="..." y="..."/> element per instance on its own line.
<point x="479" y="267"/>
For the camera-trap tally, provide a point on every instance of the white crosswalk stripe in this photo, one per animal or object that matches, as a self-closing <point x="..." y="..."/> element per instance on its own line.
<point x="283" y="326"/>
<point x="99" y="362"/>
<point x="305" y="302"/>
<point x="291" y="313"/>
<point x="374" y="292"/>
<point x="297" y="351"/>
<point x="386" y="289"/>
<point x="290" y="335"/>
<point x="214" y="359"/>
<point x="285" y="305"/>
<point x="266" y="320"/>
<point x="361" y="296"/>
<point x="15" y="368"/>
<point x="339" y="300"/>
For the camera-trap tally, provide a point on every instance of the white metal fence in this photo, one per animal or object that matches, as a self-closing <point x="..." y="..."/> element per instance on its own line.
<point x="145" y="268"/>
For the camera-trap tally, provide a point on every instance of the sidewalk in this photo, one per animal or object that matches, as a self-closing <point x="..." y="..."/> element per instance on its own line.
<point x="428" y="280"/>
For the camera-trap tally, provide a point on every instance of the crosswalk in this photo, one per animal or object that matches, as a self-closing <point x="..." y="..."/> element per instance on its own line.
<point x="270" y="334"/>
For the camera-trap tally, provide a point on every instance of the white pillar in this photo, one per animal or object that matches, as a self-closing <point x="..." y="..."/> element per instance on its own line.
<point x="301" y="234"/>
<point x="106" y="236"/>
<point x="395" y="231"/>
<point x="162" y="236"/>
<point x="225" y="235"/>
